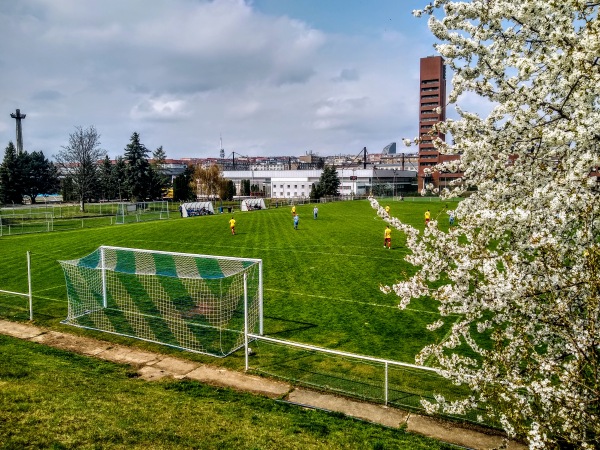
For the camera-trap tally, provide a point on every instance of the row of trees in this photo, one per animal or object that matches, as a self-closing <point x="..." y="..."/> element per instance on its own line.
<point x="87" y="173"/>
<point x="79" y="175"/>
<point x="209" y="182"/>
<point x="202" y="182"/>
<point x="133" y="176"/>
<point x="83" y="171"/>
<point x="26" y="174"/>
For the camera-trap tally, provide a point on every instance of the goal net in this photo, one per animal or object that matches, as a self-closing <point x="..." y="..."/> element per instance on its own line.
<point x="34" y="222"/>
<point x="198" y="303"/>
<point x="141" y="211"/>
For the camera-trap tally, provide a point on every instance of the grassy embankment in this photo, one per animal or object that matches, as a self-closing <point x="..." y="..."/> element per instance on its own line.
<point x="51" y="399"/>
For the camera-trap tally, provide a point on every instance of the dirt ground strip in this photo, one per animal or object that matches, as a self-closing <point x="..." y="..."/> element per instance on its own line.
<point x="154" y="366"/>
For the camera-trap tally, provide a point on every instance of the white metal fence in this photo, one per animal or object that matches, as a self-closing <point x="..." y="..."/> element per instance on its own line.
<point x="378" y="374"/>
<point x="23" y="294"/>
<point x="368" y="378"/>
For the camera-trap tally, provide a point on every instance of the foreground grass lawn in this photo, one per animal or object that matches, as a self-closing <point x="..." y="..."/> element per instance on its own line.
<point x="51" y="399"/>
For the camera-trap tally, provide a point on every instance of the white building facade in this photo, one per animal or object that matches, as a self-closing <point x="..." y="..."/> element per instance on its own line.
<point x="291" y="184"/>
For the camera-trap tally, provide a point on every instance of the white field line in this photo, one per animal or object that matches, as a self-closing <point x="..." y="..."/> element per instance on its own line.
<point x="22" y="294"/>
<point x="377" y="305"/>
<point x="59" y="300"/>
<point x="61" y="286"/>
<point x="274" y="249"/>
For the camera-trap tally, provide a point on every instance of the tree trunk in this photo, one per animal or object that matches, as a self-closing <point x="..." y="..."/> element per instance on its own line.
<point x="82" y="205"/>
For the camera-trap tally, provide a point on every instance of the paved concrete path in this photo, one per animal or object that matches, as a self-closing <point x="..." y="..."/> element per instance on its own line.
<point x="154" y="366"/>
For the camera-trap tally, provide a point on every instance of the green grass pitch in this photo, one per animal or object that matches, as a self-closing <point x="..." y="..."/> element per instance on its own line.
<point x="321" y="282"/>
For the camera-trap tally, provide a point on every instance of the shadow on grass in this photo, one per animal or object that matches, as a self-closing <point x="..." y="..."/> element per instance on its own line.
<point x="287" y="325"/>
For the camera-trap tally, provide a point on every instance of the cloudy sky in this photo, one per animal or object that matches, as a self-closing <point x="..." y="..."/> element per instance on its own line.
<point x="272" y="77"/>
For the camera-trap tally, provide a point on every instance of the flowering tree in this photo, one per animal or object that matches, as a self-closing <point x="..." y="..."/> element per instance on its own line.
<point x="522" y="266"/>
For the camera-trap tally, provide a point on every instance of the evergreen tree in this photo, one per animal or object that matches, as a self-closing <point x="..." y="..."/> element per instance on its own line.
<point x="139" y="172"/>
<point x="245" y="187"/>
<point x="39" y="175"/>
<point x="119" y="176"/>
<point x="67" y="189"/>
<point x="182" y="185"/>
<point x="329" y="183"/>
<point x="10" y="177"/>
<point x="230" y="190"/>
<point x="226" y="189"/>
<point x="315" y="192"/>
<point x="107" y="182"/>
<point x="160" y="181"/>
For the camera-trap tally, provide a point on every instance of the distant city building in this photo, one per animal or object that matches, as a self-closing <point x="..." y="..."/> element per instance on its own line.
<point x="354" y="181"/>
<point x="432" y="109"/>
<point x="390" y="149"/>
<point x="292" y="178"/>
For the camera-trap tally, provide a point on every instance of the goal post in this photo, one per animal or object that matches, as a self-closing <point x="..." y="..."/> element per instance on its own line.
<point x="141" y="211"/>
<point x="32" y="222"/>
<point x="29" y="293"/>
<point x="199" y="303"/>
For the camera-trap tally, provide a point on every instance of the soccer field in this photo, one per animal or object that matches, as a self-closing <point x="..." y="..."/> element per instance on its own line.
<point x="321" y="282"/>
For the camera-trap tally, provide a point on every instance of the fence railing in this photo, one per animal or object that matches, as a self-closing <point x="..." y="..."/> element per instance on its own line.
<point x="368" y="378"/>
<point x="385" y="363"/>
<point x="23" y="294"/>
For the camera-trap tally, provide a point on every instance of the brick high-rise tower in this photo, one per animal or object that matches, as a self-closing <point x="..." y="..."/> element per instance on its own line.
<point x="432" y="94"/>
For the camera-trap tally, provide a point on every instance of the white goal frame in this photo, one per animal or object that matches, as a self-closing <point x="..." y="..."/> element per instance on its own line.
<point x="138" y="209"/>
<point x="101" y="298"/>
<point x="33" y="222"/>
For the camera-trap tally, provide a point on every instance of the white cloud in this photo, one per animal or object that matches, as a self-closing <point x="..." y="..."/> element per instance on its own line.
<point x="270" y="85"/>
<point x="159" y="109"/>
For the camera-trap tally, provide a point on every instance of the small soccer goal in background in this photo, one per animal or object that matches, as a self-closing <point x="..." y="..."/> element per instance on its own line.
<point x="141" y="211"/>
<point x="33" y="222"/>
<point x="200" y="303"/>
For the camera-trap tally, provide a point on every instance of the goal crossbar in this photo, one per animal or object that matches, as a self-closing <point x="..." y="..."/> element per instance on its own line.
<point x="200" y="303"/>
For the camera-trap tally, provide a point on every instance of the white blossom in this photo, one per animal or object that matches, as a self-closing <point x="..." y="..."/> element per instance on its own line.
<point x="522" y="265"/>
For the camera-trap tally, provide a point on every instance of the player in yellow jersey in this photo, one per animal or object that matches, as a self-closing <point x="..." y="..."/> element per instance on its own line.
<point x="294" y="210"/>
<point x="232" y="225"/>
<point x="387" y="238"/>
<point x="387" y="209"/>
<point x="427" y="217"/>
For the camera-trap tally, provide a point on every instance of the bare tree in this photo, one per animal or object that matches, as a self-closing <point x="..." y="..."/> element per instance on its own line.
<point x="79" y="161"/>
<point x="208" y="180"/>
